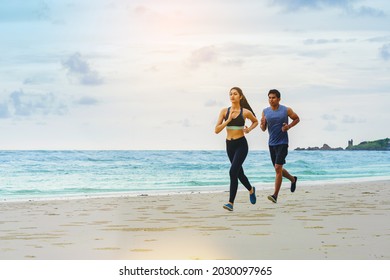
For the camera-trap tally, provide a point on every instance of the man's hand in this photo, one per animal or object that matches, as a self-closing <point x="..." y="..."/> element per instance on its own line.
<point x="285" y="127"/>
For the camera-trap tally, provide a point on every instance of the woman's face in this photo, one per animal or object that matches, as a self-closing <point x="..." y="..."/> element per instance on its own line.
<point x="234" y="96"/>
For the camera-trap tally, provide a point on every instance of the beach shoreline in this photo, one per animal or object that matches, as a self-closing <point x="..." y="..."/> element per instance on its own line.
<point x="262" y="186"/>
<point x="344" y="220"/>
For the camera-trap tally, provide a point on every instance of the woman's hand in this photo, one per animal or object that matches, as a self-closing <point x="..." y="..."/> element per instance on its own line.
<point x="230" y="117"/>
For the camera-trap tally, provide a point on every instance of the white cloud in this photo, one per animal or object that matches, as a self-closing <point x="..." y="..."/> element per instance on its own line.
<point x="350" y="7"/>
<point x="210" y="103"/>
<point x="351" y="119"/>
<point x="368" y="11"/>
<point x="20" y="104"/>
<point x="4" y="112"/>
<point x="204" y="55"/>
<point x="87" y="100"/>
<point x="321" y="41"/>
<point x="384" y="52"/>
<point x="379" y="39"/>
<point x="330" y="126"/>
<point x="79" y="68"/>
<point x="16" y="10"/>
<point x="293" y="5"/>
<point x="329" y="117"/>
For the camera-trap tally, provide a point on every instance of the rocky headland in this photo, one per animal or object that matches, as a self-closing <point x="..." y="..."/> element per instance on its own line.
<point x="377" y="145"/>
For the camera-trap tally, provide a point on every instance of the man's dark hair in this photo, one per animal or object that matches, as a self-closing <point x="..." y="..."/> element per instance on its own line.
<point x="274" y="91"/>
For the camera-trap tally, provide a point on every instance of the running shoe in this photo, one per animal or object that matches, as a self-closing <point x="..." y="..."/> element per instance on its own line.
<point x="228" y="207"/>
<point x="252" y="197"/>
<point x="272" y="198"/>
<point x="294" y="185"/>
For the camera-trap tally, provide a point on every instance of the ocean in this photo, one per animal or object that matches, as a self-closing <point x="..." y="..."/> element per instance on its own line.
<point x="28" y="175"/>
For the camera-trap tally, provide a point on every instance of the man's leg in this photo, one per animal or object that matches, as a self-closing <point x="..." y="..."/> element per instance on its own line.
<point x="278" y="179"/>
<point x="288" y="176"/>
<point x="293" y="179"/>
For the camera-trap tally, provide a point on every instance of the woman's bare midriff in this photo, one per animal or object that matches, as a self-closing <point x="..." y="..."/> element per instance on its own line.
<point x="234" y="134"/>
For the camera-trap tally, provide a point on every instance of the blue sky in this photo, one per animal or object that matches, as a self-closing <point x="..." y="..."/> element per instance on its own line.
<point x="155" y="74"/>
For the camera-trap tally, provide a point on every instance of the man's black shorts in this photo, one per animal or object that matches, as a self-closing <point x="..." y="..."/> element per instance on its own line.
<point x="278" y="154"/>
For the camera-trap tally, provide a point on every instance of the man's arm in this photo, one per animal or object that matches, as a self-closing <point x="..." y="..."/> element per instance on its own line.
<point x="295" y="120"/>
<point x="263" y="122"/>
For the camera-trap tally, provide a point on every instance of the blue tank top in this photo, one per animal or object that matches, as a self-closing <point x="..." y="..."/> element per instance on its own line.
<point x="275" y="120"/>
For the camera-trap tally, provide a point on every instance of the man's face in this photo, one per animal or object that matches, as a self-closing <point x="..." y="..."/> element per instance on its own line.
<point x="273" y="100"/>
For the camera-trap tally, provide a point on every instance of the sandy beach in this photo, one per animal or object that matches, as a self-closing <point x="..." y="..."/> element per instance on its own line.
<point x="317" y="222"/>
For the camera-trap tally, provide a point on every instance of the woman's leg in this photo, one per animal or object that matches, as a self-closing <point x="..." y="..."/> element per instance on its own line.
<point x="237" y="152"/>
<point x="231" y="150"/>
<point x="243" y="151"/>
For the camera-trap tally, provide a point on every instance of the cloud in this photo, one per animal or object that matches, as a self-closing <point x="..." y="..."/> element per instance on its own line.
<point x="186" y="123"/>
<point x="23" y="105"/>
<point x="201" y="56"/>
<point x="182" y="123"/>
<point x="79" y="68"/>
<point x="141" y="10"/>
<point x="351" y="119"/>
<point x="381" y="39"/>
<point x="4" y="112"/>
<point x="348" y="119"/>
<point x="368" y="11"/>
<point x="384" y="52"/>
<point x="345" y="5"/>
<point x="210" y="103"/>
<point x="244" y="50"/>
<point x="328" y="117"/>
<point x="86" y="100"/>
<point x="36" y="80"/>
<point x="234" y="62"/>
<point x="228" y="55"/>
<point x="153" y="69"/>
<point x="320" y="41"/>
<point x="330" y="126"/>
<point x="294" y="5"/>
<point x="14" y="11"/>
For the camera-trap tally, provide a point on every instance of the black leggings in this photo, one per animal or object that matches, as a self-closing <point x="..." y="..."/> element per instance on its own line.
<point x="237" y="151"/>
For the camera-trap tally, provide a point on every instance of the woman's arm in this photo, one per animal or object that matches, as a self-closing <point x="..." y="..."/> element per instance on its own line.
<point x="220" y="123"/>
<point x="249" y="115"/>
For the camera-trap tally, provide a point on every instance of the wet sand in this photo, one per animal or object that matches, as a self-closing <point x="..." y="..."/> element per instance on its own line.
<point x="324" y="221"/>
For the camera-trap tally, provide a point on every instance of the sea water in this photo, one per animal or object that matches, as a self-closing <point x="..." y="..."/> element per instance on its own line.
<point x="61" y="174"/>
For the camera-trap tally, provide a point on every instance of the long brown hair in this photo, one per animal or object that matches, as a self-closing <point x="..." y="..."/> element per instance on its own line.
<point x="243" y="101"/>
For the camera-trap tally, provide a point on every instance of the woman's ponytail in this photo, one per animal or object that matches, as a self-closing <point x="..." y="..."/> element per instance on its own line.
<point x="243" y="102"/>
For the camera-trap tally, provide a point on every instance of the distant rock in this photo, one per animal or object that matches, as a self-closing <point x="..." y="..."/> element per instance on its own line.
<point x="377" y="145"/>
<point x="324" y="147"/>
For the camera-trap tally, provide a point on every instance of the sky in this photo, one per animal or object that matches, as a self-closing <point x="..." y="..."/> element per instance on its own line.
<point x="154" y="74"/>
